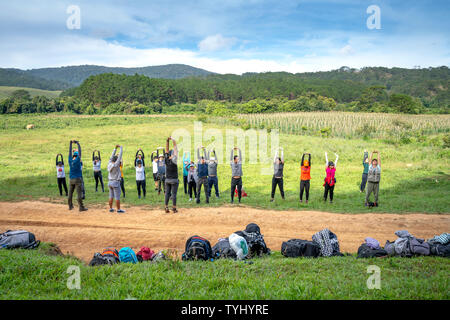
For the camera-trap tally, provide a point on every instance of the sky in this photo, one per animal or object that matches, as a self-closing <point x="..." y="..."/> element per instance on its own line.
<point x="228" y="36"/>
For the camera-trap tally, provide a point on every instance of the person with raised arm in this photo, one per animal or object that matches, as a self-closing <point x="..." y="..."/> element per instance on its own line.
<point x="330" y="179"/>
<point x="277" y="179"/>
<point x="186" y="161"/>
<point x="61" y="174"/>
<point x="114" y="175"/>
<point x="365" y="164"/>
<point x="97" y="167"/>
<point x="373" y="178"/>
<point x="139" y="165"/>
<point x="171" y="182"/>
<point x="305" y="176"/>
<point x="213" y="179"/>
<point x="236" y="173"/>
<point x="202" y="169"/>
<point x="75" y="175"/>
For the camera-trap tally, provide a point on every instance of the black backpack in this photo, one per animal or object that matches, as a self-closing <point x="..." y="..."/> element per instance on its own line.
<point x="197" y="248"/>
<point x="300" y="248"/>
<point x="222" y="249"/>
<point x="364" y="251"/>
<point x="438" y="249"/>
<point x="255" y="240"/>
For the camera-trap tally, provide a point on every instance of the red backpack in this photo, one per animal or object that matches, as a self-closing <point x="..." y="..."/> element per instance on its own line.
<point x="146" y="253"/>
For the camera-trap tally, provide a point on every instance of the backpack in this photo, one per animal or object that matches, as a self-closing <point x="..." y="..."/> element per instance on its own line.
<point x="111" y="255"/>
<point x="197" y="248"/>
<point x="145" y="254"/>
<point x="419" y="247"/>
<point x="438" y="249"/>
<point x="159" y="257"/>
<point x="126" y="255"/>
<point x="239" y="246"/>
<point x="255" y="240"/>
<point x="364" y="251"/>
<point x="23" y="239"/>
<point x="98" y="260"/>
<point x="252" y="227"/>
<point x="222" y="249"/>
<point x="300" y="248"/>
<point x="328" y="242"/>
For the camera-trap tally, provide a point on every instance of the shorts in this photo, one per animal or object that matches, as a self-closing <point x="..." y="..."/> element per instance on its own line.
<point x="114" y="189"/>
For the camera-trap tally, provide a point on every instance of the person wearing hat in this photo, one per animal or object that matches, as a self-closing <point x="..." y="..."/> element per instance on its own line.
<point x="171" y="182"/>
<point x="75" y="176"/>
<point x="330" y="180"/>
<point x="114" y="179"/>
<point x="213" y="180"/>
<point x="139" y="164"/>
<point x="305" y="177"/>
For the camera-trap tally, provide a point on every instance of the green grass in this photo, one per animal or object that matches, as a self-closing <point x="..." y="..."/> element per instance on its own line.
<point x="34" y="274"/>
<point x="415" y="177"/>
<point x="6" y="92"/>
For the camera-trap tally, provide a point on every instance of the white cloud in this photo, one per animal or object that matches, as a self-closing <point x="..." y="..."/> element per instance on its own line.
<point x="347" y="50"/>
<point x="216" y="42"/>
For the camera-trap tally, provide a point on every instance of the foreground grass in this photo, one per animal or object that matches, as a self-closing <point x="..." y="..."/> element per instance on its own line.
<point x="34" y="274"/>
<point x="415" y="177"/>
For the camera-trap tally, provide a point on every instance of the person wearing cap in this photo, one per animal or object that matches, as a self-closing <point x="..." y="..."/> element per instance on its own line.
<point x="75" y="176"/>
<point x="305" y="176"/>
<point x="330" y="180"/>
<point x="171" y="182"/>
<point x="202" y="169"/>
<point x="114" y="179"/>
<point x="139" y="164"/>
<point x="212" y="173"/>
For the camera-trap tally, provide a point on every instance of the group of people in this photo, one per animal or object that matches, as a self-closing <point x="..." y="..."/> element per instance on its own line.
<point x="198" y="175"/>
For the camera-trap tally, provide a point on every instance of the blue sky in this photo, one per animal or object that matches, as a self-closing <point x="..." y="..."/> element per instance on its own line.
<point x="232" y="36"/>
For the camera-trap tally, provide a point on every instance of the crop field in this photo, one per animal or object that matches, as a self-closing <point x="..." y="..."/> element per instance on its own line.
<point x="5" y="92"/>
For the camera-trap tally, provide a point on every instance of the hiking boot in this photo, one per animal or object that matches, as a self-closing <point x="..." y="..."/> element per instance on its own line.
<point x="282" y="198"/>
<point x="190" y="199"/>
<point x="239" y="200"/>
<point x="301" y="201"/>
<point x="70" y="207"/>
<point x="83" y="209"/>
<point x="207" y="200"/>
<point x="111" y="210"/>
<point x="139" y="197"/>
<point x="197" y="201"/>
<point x="232" y="201"/>
<point x="218" y="197"/>
<point x="331" y="201"/>
<point x="167" y="210"/>
<point x="271" y="199"/>
<point x="120" y="211"/>
<point x="174" y="210"/>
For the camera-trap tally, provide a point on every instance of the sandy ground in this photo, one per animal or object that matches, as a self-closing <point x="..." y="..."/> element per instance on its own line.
<point x="82" y="234"/>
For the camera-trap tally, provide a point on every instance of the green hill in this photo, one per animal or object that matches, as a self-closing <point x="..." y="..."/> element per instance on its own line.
<point x="6" y="92"/>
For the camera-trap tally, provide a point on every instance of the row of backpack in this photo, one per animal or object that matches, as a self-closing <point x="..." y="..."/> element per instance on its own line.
<point x="240" y="245"/>
<point x="125" y="255"/>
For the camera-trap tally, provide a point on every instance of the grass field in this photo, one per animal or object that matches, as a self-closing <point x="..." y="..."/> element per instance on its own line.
<point x="415" y="176"/>
<point x="37" y="275"/>
<point x="5" y="92"/>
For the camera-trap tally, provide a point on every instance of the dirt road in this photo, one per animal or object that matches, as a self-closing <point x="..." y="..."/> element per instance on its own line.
<point x="82" y="234"/>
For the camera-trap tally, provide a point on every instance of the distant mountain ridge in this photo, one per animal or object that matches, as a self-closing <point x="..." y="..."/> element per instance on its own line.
<point x="71" y="76"/>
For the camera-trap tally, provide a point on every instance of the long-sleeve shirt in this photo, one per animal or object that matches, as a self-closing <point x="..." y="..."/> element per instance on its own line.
<point x="186" y="160"/>
<point x="192" y="174"/>
<point x="278" y="167"/>
<point x="212" y="165"/>
<point x="140" y="173"/>
<point x="97" y="164"/>
<point x="114" y="167"/>
<point x="202" y="168"/>
<point x="75" y="164"/>
<point x="365" y="164"/>
<point x="236" y="168"/>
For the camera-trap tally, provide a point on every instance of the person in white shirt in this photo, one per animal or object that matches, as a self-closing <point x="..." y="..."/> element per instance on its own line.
<point x="139" y="164"/>
<point x="155" y="168"/>
<point x="61" y="174"/>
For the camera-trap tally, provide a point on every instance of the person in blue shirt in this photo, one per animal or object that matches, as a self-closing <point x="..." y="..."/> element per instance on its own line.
<point x="186" y="161"/>
<point x="75" y="176"/>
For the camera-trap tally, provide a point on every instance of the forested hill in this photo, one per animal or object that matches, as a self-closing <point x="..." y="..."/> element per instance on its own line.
<point x="20" y="78"/>
<point x="75" y="75"/>
<point x="345" y="85"/>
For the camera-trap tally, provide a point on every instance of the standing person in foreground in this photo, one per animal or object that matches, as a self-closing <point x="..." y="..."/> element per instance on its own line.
<point x="202" y="169"/>
<point x="139" y="165"/>
<point x="305" y="176"/>
<point x="122" y="181"/>
<point x="97" y="166"/>
<point x="373" y="178"/>
<point x="61" y="174"/>
<point x="114" y="179"/>
<point x="212" y="173"/>
<point x="75" y="181"/>
<point x="330" y="180"/>
<point x="192" y="179"/>
<point x="236" y="174"/>
<point x="186" y="161"/>
<point x="277" y="179"/>
<point x="365" y="171"/>
<point x="171" y="183"/>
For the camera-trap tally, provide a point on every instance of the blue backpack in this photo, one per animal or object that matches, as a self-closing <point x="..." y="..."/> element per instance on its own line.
<point x="127" y="255"/>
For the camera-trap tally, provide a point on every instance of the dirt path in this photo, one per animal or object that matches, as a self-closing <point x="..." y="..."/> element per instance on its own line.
<point x="82" y="234"/>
